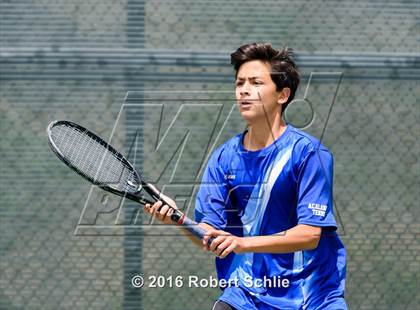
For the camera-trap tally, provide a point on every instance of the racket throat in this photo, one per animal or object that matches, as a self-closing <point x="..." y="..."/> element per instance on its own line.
<point x="138" y="187"/>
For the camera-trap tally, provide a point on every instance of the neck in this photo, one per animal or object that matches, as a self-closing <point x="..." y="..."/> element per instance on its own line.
<point x="263" y="134"/>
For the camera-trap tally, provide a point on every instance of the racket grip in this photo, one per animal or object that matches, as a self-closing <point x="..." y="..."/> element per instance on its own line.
<point x="190" y="225"/>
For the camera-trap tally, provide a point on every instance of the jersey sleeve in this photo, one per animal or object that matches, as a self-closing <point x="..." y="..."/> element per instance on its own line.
<point x="212" y="196"/>
<point x="315" y="196"/>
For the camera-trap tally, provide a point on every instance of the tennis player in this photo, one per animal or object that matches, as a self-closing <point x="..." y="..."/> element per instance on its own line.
<point x="266" y="198"/>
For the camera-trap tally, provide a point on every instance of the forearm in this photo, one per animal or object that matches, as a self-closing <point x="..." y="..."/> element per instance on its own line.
<point x="298" y="238"/>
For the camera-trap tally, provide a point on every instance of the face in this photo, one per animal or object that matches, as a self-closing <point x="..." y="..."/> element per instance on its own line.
<point x="256" y="92"/>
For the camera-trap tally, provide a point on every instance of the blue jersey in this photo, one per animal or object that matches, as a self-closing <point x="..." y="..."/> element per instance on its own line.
<point x="265" y="192"/>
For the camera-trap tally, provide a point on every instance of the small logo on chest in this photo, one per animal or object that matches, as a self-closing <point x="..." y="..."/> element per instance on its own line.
<point x="230" y="176"/>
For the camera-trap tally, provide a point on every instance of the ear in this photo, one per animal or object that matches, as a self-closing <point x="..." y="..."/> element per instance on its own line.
<point x="284" y="95"/>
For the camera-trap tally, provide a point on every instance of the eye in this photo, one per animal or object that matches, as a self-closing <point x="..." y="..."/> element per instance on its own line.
<point x="239" y="83"/>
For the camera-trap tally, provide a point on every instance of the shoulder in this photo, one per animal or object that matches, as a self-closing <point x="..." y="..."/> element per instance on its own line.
<point x="223" y="154"/>
<point x="305" y="145"/>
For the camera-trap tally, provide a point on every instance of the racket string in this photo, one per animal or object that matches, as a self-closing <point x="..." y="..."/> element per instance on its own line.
<point x="92" y="158"/>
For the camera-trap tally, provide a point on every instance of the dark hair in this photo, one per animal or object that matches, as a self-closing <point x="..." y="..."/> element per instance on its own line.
<point x="284" y="71"/>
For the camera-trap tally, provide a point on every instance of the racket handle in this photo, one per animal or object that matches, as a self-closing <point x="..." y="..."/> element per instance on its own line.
<point x="178" y="217"/>
<point x="144" y="201"/>
<point x="190" y="225"/>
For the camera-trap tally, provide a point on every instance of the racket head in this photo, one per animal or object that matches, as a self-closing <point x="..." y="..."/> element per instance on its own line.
<point x="94" y="159"/>
<point x="98" y="162"/>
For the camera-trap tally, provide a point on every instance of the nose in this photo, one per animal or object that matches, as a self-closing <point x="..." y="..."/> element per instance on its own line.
<point x="245" y="89"/>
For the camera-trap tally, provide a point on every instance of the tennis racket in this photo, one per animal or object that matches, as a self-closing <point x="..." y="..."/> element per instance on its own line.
<point x="98" y="162"/>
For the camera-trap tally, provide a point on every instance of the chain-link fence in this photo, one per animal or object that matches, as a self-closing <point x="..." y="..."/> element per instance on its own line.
<point x="138" y="66"/>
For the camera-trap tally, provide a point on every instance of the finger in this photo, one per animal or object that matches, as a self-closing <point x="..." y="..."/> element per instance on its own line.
<point x="170" y="212"/>
<point x="228" y="250"/>
<point x="162" y="212"/>
<point x="154" y="209"/>
<point x="219" y="249"/>
<point x="146" y="207"/>
<point x="207" y="236"/>
<point x="215" y="233"/>
<point x="206" y="243"/>
<point x="216" y="242"/>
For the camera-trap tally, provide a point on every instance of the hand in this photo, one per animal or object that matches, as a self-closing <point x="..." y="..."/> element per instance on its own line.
<point x="162" y="212"/>
<point x="224" y="243"/>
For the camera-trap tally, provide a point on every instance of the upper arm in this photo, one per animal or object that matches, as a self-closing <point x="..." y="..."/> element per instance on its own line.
<point x="210" y="207"/>
<point x="315" y="190"/>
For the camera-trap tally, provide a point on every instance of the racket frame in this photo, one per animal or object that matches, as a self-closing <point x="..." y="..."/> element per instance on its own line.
<point x="177" y="216"/>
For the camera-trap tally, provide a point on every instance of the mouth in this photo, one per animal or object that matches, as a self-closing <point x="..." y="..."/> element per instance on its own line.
<point x="245" y="103"/>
